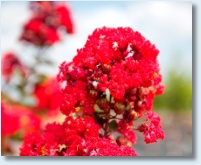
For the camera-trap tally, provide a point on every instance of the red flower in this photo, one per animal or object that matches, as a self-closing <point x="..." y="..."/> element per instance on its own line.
<point x="64" y="16"/>
<point x="16" y="118"/>
<point x="118" y="59"/>
<point x="10" y="63"/>
<point x="7" y="120"/>
<point x="75" y="137"/>
<point x="42" y="28"/>
<point x="152" y="131"/>
<point x="112" y="79"/>
<point x="48" y="96"/>
<point x="42" y="9"/>
<point x="38" y="33"/>
<point x="99" y="147"/>
<point x="126" y="129"/>
<point x="116" y="71"/>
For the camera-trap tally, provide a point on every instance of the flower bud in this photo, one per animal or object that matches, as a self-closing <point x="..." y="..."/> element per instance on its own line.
<point x="102" y="103"/>
<point x="93" y="93"/>
<point x="139" y="105"/>
<point x="130" y="115"/>
<point x="133" y="115"/>
<point x="120" y="140"/>
<point x="143" y="127"/>
<point x="78" y="111"/>
<point x="119" y="108"/>
<point x="106" y="68"/>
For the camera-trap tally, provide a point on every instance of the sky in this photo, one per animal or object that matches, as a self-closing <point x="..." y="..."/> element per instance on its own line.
<point x="167" y="24"/>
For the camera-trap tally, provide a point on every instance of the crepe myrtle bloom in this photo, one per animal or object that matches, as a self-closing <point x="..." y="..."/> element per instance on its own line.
<point x="114" y="77"/>
<point x="47" y="18"/>
<point x="10" y="64"/>
<point x="74" y="137"/>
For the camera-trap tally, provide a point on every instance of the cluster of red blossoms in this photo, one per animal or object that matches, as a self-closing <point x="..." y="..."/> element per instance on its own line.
<point x="46" y="93"/>
<point x="48" y="96"/>
<point x="18" y="120"/>
<point x="48" y="17"/>
<point x="39" y="95"/>
<point x="109" y="84"/>
<point x="74" y="137"/>
<point x="11" y="63"/>
<point x="118" y="72"/>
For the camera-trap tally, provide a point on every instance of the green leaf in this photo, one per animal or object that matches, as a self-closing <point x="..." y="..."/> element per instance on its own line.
<point x="97" y="109"/>
<point x="113" y="125"/>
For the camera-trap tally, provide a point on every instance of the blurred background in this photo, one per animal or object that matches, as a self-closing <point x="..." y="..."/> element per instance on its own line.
<point x="168" y="25"/>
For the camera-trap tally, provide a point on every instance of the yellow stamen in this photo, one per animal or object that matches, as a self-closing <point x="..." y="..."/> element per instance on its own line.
<point x="77" y="109"/>
<point x="155" y="74"/>
<point x="43" y="150"/>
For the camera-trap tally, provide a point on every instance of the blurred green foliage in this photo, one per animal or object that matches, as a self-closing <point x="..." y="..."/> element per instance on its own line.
<point x="178" y="93"/>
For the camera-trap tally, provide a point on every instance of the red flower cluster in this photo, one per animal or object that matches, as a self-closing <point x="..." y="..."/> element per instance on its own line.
<point x="74" y="137"/>
<point x="153" y="130"/>
<point x="10" y="63"/>
<point x="48" y="96"/>
<point x="48" y="17"/>
<point x="110" y="83"/>
<point x="114" y="77"/>
<point x="18" y="119"/>
<point x="8" y="128"/>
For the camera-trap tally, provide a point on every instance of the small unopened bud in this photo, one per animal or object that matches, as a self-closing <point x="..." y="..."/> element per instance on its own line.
<point x="119" y="108"/>
<point x="102" y="103"/>
<point x="93" y="93"/>
<point x="143" y="127"/>
<point x="120" y="140"/>
<point x="106" y="68"/>
<point x="139" y="105"/>
<point x="130" y="115"/>
<point x="133" y="115"/>
<point x="79" y="111"/>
